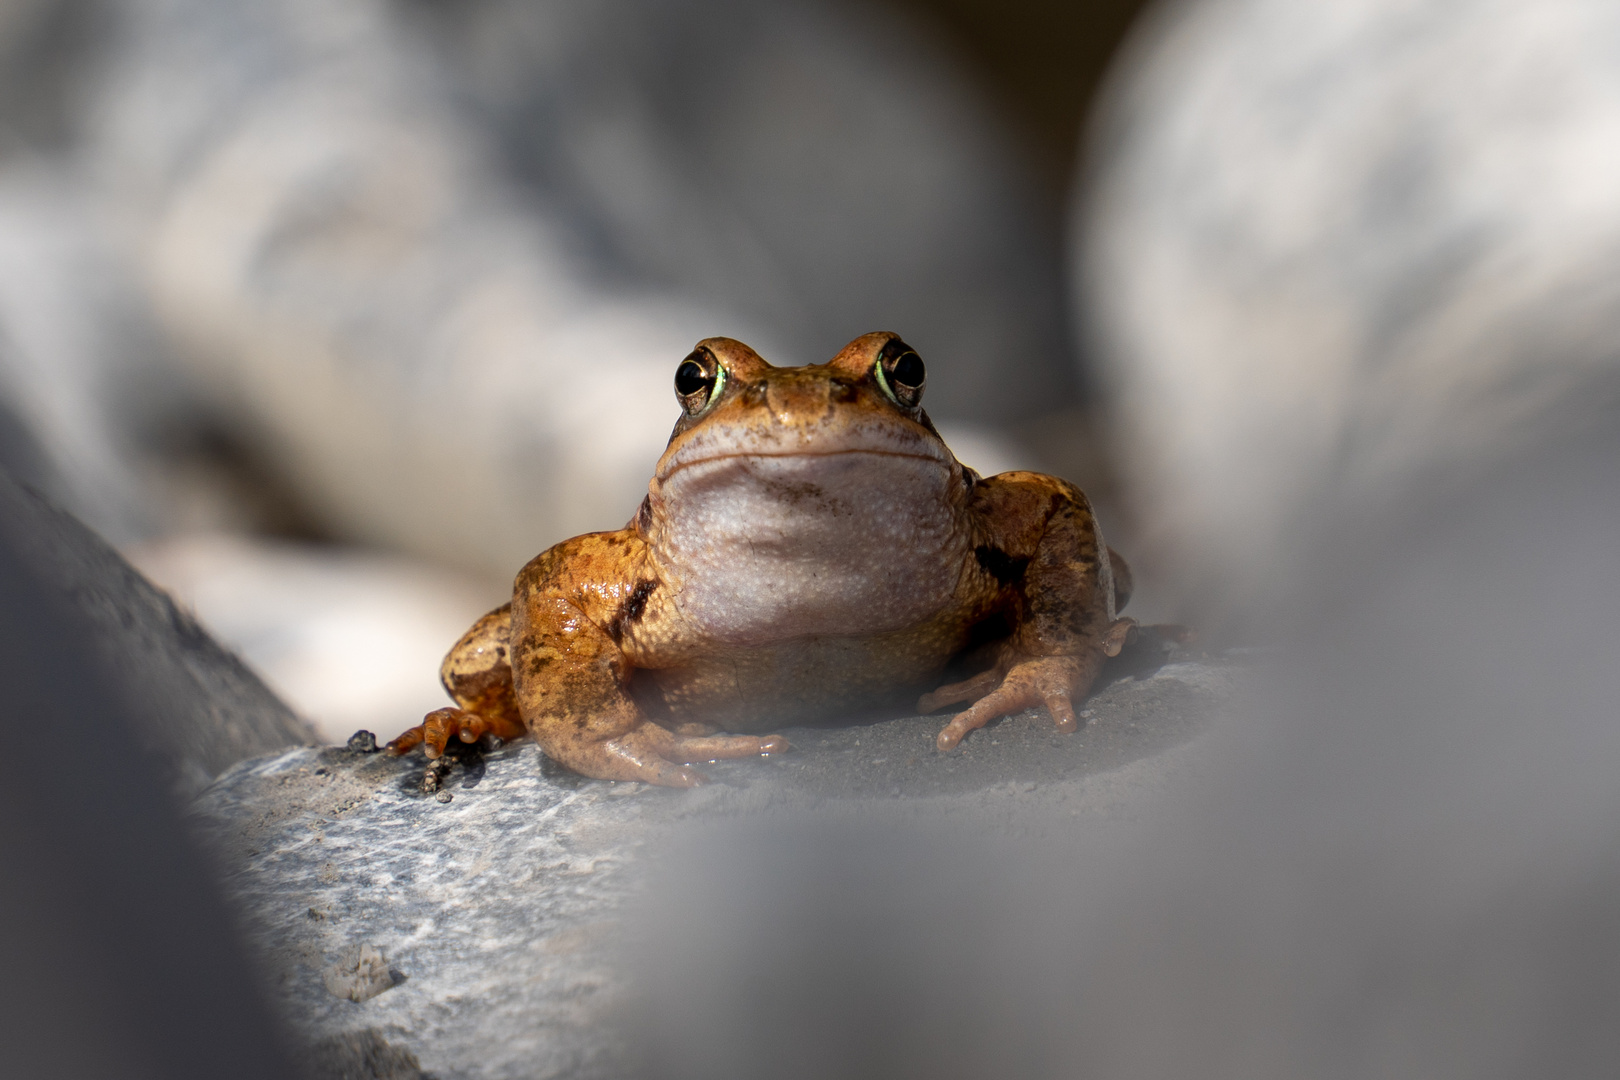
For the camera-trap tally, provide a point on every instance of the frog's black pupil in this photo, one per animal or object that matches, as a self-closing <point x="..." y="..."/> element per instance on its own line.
<point x="907" y="371"/>
<point x="690" y="378"/>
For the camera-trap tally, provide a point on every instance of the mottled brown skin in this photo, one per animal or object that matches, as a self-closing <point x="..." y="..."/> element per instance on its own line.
<point x="625" y="655"/>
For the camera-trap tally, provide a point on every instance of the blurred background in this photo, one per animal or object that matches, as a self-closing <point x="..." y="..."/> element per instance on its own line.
<point x="331" y="319"/>
<point x="332" y="316"/>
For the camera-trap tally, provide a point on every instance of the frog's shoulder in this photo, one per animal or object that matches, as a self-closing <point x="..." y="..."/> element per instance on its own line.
<point x="1014" y="508"/>
<point x="590" y="562"/>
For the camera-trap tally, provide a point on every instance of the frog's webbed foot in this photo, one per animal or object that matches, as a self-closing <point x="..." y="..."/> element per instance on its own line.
<point x="438" y="727"/>
<point x="655" y="755"/>
<point x="1053" y="681"/>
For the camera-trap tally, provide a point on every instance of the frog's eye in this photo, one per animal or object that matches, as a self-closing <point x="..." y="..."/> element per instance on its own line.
<point x="900" y="372"/>
<point x="698" y="381"/>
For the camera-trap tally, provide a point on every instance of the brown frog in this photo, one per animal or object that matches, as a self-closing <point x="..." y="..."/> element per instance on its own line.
<point x="808" y="547"/>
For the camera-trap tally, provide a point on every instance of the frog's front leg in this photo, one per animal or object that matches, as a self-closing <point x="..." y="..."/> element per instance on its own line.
<point x="478" y="678"/>
<point x="569" y="613"/>
<point x="1065" y="585"/>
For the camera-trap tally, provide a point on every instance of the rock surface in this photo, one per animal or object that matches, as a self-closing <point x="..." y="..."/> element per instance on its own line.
<point x="199" y="707"/>
<point x="479" y="933"/>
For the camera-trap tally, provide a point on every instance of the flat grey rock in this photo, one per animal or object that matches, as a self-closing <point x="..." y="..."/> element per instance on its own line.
<point x="476" y="937"/>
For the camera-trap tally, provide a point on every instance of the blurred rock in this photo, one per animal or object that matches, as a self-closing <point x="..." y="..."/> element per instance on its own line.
<point x="78" y="374"/>
<point x="1333" y="254"/>
<point x="360" y="1055"/>
<point x="350" y="639"/>
<point x="121" y="958"/>
<point x="429" y="267"/>
<point x="200" y="709"/>
<point x="504" y="913"/>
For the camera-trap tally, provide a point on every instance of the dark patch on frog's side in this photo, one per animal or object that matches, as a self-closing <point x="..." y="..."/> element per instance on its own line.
<point x="1005" y="568"/>
<point x="644" y="516"/>
<point x="630" y="612"/>
<point x="637" y="604"/>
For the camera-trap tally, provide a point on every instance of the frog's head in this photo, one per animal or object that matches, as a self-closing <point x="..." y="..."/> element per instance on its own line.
<point x="800" y="500"/>
<point x="866" y="400"/>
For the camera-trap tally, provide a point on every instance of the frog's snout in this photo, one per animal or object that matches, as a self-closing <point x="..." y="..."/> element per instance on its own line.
<point x="791" y="398"/>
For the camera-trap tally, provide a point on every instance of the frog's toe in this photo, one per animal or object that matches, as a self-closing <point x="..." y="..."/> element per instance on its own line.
<point x="437" y="727"/>
<point x="646" y="754"/>
<point x="1062" y="710"/>
<point x="986" y="709"/>
<point x="436" y="730"/>
<point x="1122" y="633"/>
<point x="1053" y="681"/>
<point x="406" y="742"/>
<point x="967" y="690"/>
<point x="713" y="747"/>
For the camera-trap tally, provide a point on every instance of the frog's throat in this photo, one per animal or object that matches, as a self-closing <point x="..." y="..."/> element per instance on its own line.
<point x="770" y="547"/>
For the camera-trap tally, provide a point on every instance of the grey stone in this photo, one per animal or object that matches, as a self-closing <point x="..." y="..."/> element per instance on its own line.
<point x="1387" y="269"/>
<point x="502" y="912"/>
<point x="361" y="1055"/>
<point x="360" y="974"/>
<point x="200" y="708"/>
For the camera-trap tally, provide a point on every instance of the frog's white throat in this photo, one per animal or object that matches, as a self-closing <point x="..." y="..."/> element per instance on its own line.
<point x="766" y="548"/>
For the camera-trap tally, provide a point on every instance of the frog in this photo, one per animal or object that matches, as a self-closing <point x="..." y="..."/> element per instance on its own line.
<point x="808" y="548"/>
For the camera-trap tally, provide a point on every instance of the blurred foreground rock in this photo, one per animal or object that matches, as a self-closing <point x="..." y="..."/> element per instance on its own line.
<point x="482" y="936"/>
<point x="1389" y="234"/>
<point x="200" y="708"/>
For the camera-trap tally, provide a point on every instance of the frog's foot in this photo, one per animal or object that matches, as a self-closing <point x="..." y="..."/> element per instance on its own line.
<point x="1053" y="681"/>
<point x="1122" y="633"/>
<point x="655" y="755"/>
<point x="438" y="727"/>
<point x="967" y="690"/>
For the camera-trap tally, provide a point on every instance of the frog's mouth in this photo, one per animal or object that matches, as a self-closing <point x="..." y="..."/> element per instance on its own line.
<point x="906" y="449"/>
<point x="809" y="458"/>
